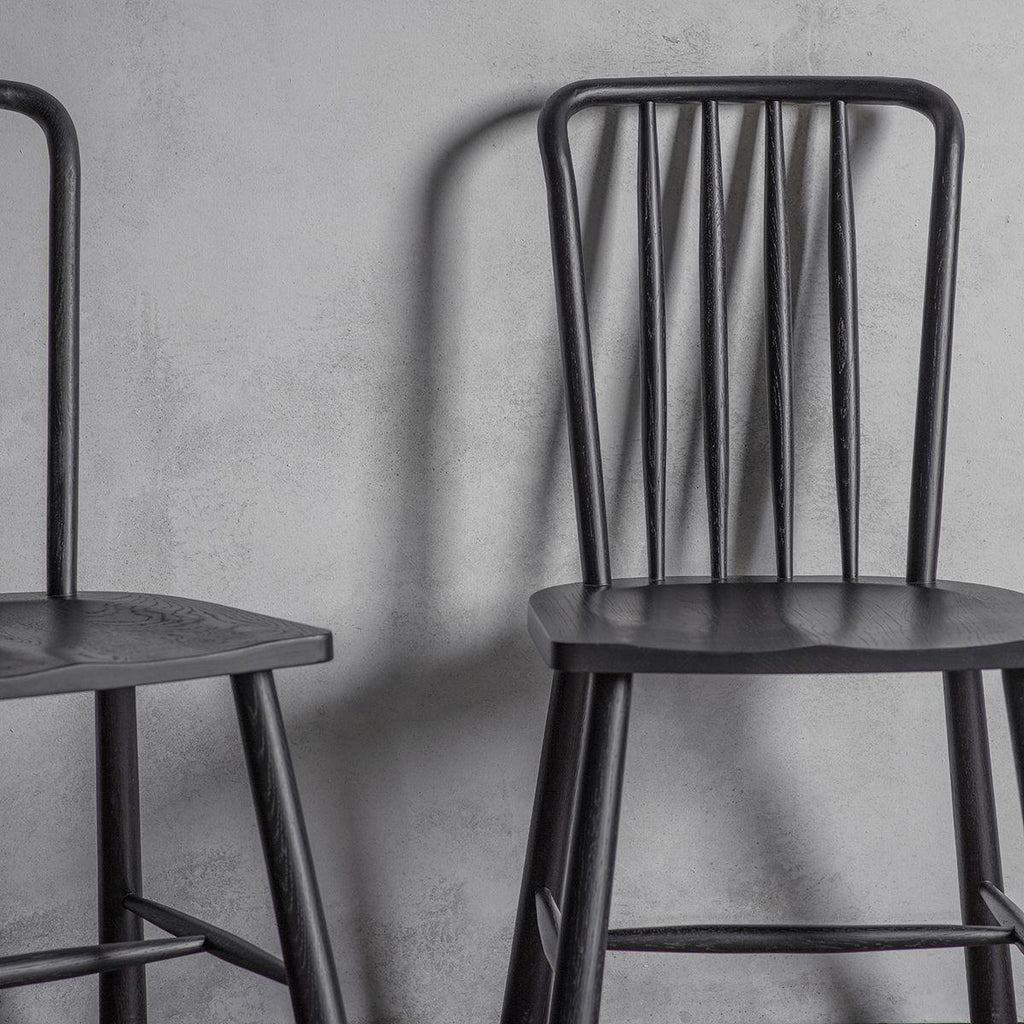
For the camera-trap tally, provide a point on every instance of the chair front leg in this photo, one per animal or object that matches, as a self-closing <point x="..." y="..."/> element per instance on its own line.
<point x="122" y="993"/>
<point x="989" y="977"/>
<point x="583" y="937"/>
<point x="528" y="986"/>
<point x="306" y="949"/>
<point x="1013" y="687"/>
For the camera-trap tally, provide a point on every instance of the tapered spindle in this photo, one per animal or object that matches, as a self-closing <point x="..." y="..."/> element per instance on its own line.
<point x="778" y="330"/>
<point x="713" y="338"/>
<point x="842" y="293"/>
<point x="652" y="338"/>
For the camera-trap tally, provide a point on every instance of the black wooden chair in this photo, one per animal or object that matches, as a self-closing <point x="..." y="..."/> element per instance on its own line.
<point x="66" y="640"/>
<point x="596" y="634"/>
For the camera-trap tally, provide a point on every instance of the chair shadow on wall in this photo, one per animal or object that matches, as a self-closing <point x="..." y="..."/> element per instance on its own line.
<point x="419" y="710"/>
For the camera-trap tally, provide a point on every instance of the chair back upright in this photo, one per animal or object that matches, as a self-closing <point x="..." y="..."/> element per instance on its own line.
<point x="62" y="331"/>
<point x="571" y="299"/>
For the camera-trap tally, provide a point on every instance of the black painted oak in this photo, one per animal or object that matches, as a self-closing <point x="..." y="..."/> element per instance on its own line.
<point x="1005" y="911"/>
<point x="842" y="294"/>
<point x="1013" y="689"/>
<point x="714" y="349"/>
<point x="222" y="944"/>
<point x="989" y="978"/>
<point x="809" y="624"/>
<point x="122" y="994"/>
<point x="940" y="280"/>
<point x="576" y="987"/>
<point x="798" y="938"/>
<point x="604" y="629"/>
<point x="62" y="329"/>
<point x="547" y="851"/>
<point x="778" y="321"/>
<point x="790" y="938"/>
<point x="57" y="964"/>
<point x="103" y="640"/>
<point x="653" y="398"/>
<point x="305" y="945"/>
<point x="64" y="640"/>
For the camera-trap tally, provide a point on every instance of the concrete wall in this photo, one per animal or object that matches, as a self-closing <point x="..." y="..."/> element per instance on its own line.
<point x="320" y="380"/>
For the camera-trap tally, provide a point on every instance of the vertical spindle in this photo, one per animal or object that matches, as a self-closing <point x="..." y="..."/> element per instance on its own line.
<point x="842" y="293"/>
<point x="778" y="330"/>
<point x="652" y="338"/>
<point x="713" y="337"/>
<point x="62" y="331"/>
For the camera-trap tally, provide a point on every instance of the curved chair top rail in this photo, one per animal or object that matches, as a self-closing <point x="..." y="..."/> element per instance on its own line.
<point x="62" y="330"/>
<point x="571" y="301"/>
<point x="906" y="92"/>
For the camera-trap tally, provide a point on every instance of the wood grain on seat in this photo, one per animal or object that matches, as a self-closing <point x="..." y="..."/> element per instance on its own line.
<point x="762" y="625"/>
<point x="103" y="640"/>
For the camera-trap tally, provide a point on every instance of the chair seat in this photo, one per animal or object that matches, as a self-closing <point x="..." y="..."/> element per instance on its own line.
<point x="759" y="625"/>
<point x="96" y="641"/>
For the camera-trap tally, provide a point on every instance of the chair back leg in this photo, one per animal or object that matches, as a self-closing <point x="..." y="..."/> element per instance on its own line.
<point x="306" y="949"/>
<point x="528" y="987"/>
<point x="122" y="993"/>
<point x="989" y="978"/>
<point x="576" y="991"/>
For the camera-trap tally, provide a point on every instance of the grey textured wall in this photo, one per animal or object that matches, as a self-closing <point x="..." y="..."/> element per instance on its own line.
<point x="319" y="380"/>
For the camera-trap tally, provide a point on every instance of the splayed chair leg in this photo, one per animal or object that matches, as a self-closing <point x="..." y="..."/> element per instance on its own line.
<point x="1013" y="687"/>
<point x="576" y="990"/>
<point x="989" y="978"/>
<point x="306" y="949"/>
<point x="528" y="985"/>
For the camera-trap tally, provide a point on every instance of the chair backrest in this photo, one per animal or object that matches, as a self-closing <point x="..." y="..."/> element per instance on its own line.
<point x="571" y="296"/>
<point x="62" y="348"/>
